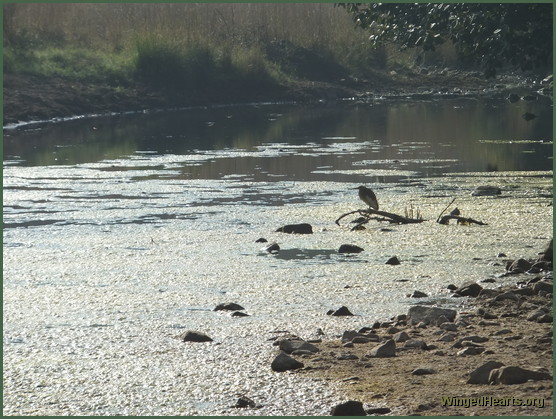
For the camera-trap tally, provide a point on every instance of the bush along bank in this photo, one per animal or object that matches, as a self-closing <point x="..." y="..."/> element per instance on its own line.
<point x="43" y="83"/>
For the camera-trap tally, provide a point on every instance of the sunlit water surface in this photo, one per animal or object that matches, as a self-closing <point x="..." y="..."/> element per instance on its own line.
<point x="121" y="233"/>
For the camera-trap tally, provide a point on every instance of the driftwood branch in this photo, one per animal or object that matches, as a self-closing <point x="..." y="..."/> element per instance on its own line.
<point x="444" y="210"/>
<point x="461" y="220"/>
<point x="455" y="215"/>
<point x="379" y="216"/>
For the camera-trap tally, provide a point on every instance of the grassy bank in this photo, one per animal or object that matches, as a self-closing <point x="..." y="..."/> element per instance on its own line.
<point x="190" y="48"/>
<point x="73" y="58"/>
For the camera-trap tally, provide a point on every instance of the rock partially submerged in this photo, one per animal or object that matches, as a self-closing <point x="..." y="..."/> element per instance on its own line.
<point x="417" y="294"/>
<point x="469" y="289"/>
<point x="350" y="248"/>
<point x="342" y="311"/>
<point x="192" y="336"/>
<point x="244" y="402"/>
<point x="272" y="248"/>
<point x="284" y="362"/>
<point x="393" y="261"/>
<point x="486" y="190"/>
<point x="303" y="228"/>
<point x="228" y="307"/>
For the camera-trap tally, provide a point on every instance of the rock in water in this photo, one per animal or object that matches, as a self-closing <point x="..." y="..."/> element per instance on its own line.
<point x="239" y="314"/>
<point x="486" y="190"/>
<point x="285" y="362"/>
<point x="272" y="248"/>
<point x="244" y="402"/>
<point x="342" y="311"/>
<point x="228" y="306"/>
<point x="469" y="289"/>
<point x="349" y="408"/>
<point x="513" y="97"/>
<point x="296" y="229"/>
<point x="350" y="248"/>
<point x="417" y="294"/>
<point x="191" y="336"/>
<point x="393" y="261"/>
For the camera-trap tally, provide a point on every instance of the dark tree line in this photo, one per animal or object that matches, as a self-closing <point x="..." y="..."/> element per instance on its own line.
<point x="492" y="35"/>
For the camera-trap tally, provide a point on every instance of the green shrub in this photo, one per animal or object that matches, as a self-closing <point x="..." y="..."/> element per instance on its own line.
<point x="168" y="64"/>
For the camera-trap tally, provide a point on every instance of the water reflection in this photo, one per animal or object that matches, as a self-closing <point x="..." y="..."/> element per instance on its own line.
<point x="459" y="134"/>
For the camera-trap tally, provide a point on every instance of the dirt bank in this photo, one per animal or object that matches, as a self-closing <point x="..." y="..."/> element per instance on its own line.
<point x="30" y="98"/>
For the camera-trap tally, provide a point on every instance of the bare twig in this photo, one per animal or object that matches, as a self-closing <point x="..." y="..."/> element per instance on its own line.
<point x="444" y="210"/>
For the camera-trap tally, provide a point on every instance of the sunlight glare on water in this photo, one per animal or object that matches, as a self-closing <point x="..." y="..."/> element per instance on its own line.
<point x="106" y="262"/>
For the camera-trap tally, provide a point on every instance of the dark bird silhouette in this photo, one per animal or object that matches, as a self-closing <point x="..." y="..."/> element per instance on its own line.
<point x="368" y="197"/>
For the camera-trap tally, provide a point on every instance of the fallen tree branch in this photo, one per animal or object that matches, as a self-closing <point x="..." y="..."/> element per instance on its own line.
<point x="461" y="220"/>
<point x="386" y="216"/>
<point x="444" y="210"/>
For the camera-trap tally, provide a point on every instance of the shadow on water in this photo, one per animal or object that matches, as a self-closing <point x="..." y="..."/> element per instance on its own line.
<point x="315" y="255"/>
<point x="476" y="134"/>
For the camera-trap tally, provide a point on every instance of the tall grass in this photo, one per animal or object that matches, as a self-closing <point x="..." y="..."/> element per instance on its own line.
<point x="187" y="45"/>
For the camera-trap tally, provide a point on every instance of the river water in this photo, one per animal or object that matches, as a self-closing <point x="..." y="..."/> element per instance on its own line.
<point x="122" y="232"/>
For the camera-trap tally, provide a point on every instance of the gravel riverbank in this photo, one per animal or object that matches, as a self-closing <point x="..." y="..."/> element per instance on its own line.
<point x="426" y="364"/>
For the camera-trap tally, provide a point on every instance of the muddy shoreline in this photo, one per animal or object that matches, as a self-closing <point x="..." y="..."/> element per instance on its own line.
<point x="30" y="98"/>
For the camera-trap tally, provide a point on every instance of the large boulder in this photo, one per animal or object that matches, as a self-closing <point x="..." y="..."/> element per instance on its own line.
<point x="469" y="289"/>
<point x="516" y="375"/>
<point x="386" y="350"/>
<point x="349" y="408"/>
<point x="429" y="315"/>
<point x="481" y="374"/>
<point x="520" y="266"/>
<point x="542" y="286"/>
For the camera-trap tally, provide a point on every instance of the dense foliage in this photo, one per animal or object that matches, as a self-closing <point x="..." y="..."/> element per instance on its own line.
<point x="489" y="34"/>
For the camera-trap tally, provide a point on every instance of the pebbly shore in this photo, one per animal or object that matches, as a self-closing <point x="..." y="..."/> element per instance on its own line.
<point x="493" y="359"/>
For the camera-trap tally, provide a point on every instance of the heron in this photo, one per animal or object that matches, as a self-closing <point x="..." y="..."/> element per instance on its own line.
<point x="368" y="197"/>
